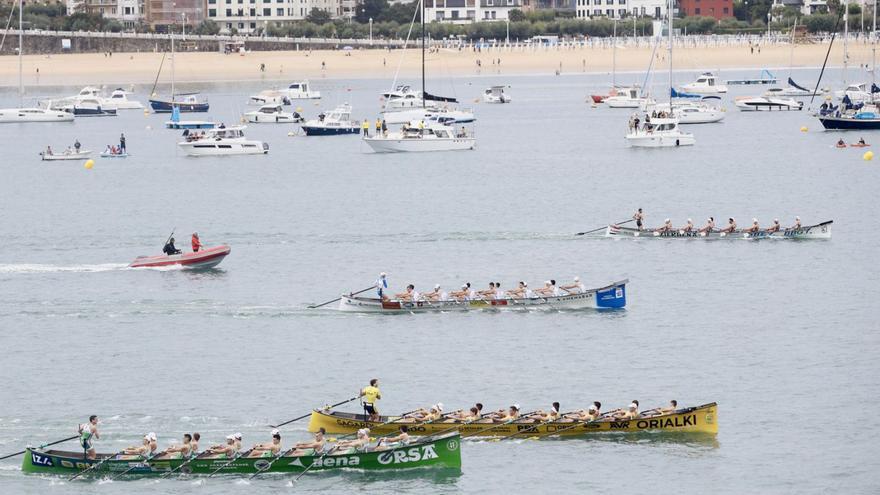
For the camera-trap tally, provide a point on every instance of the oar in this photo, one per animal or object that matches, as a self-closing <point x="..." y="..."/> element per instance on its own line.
<point x="338" y="298"/>
<point x="578" y="423"/>
<point x="530" y="428"/>
<point x="306" y="470"/>
<point x="477" y="433"/>
<point x="310" y="413"/>
<point x="192" y="458"/>
<point x="605" y="226"/>
<point x="235" y="458"/>
<point x="93" y="466"/>
<point x="146" y="462"/>
<point x="41" y="446"/>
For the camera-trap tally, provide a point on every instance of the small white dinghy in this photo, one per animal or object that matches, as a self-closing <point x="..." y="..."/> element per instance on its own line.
<point x="72" y="155"/>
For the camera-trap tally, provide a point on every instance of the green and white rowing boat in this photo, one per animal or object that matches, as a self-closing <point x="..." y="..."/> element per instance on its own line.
<point x="437" y="452"/>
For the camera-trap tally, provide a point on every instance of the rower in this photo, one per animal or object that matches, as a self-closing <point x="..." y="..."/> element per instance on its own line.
<point x="673" y="406"/>
<point x="511" y="414"/>
<point x="775" y="227"/>
<point x="731" y="226"/>
<point x="381" y="285"/>
<point x="269" y="449"/>
<point x="710" y="226"/>
<point x="310" y="448"/>
<point x="667" y="226"/>
<point x="463" y="294"/>
<point x="638" y="216"/>
<point x="754" y="228"/>
<point x="488" y="293"/>
<point x="862" y="141"/>
<point x="194" y="445"/>
<point x="154" y="442"/>
<point x="589" y="415"/>
<point x="226" y="450"/>
<point x="546" y="416"/>
<point x="576" y="287"/>
<point x="689" y="227"/>
<point x="237" y="438"/>
<point x="169" y="248"/>
<point x="141" y="450"/>
<point x="499" y="294"/>
<point x="410" y="294"/>
<point x="546" y="290"/>
<point x="797" y="224"/>
<point x="840" y="142"/>
<point x="180" y="451"/>
<point x="436" y="294"/>
<point x="632" y="411"/>
<point x="472" y="415"/>
<point x="400" y="440"/>
<point x="87" y="431"/>
<point x="433" y="413"/>
<point x="196" y="243"/>
<point x="357" y="445"/>
<point x="370" y="395"/>
<point x="518" y="292"/>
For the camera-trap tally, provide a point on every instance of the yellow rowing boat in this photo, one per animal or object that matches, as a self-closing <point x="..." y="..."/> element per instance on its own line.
<point x="698" y="419"/>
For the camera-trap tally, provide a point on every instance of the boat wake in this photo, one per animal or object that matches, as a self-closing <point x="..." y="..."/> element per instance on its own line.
<point x="45" y="268"/>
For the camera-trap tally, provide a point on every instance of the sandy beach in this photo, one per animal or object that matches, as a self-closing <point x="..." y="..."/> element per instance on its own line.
<point x="140" y="68"/>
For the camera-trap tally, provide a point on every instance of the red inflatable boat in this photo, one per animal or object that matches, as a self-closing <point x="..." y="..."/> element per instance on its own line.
<point x="205" y="258"/>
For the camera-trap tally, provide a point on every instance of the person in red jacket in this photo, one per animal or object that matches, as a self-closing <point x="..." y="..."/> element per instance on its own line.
<point x="196" y="244"/>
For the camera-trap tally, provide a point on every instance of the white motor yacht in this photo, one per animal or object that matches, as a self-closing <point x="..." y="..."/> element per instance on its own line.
<point x="8" y="115"/>
<point x="771" y="100"/>
<point x="628" y="98"/>
<point x="225" y="141"/>
<point x="119" y="100"/>
<point x="301" y="91"/>
<point x="336" y="121"/>
<point x="659" y="133"/>
<point x="269" y="97"/>
<point x="691" y="112"/>
<point x="274" y="114"/>
<point x="706" y="84"/>
<point x="422" y="136"/>
<point x="857" y="93"/>
<point x="496" y="94"/>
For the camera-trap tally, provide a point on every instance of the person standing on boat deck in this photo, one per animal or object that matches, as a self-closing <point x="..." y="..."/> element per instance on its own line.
<point x="87" y="432"/>
<point x="381" y="285"/>
<point x="365" y="126"/>
<point x="638" y="216"/>
<point x="754" y="228"/>
<point x="121" y="143"/>
<point x="196" y="243"/>
<point x="710" y="226"/>
<point x="49" y="150"/>
<point x="76" y="145"/>
<point x="775" y="227"/>
<point x="371" y="394"/>
<point x="384" y="128"/>
<point x="378" y="126"/>
<point x="797" y="224"/>
<point x="731" y="226"/>
<point x="169" y="248"/>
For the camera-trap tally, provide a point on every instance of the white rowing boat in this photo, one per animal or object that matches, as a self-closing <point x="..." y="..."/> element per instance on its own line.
<point x="73" y="155"/>
<point x="818" y="231"/>
<point x="608" y="297"/>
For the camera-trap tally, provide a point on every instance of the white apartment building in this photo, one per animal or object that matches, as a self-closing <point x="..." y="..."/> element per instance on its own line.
<point x="617" y="9"/>
<point x="466" y="11"/>
<point x="246" y="16"/>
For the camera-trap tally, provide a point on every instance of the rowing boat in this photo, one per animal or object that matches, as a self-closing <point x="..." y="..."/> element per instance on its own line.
<point x="204" y="259"/>
<point x="818" y="231"/>
<point x="73" y="155"/>
<point x="699" y="419"/>
<point x="438" y="452"/>
<point x="608" y="297"/>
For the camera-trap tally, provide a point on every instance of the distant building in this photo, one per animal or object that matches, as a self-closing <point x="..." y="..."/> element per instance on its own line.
<point x="160" y="14"/>
<point x="718" y="9"/>
<point x="249" y="16"/>
<point x="465" y="11"/>
<point x="807" y="7"/>
<point x="616" y="9"/>
<point x="127" y="12"/>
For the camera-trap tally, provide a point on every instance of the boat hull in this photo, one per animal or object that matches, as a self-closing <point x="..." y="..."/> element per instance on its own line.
<point x="659" y="140"/>
<point x="206" y="147"/>
<point x="82" y="155"/>
<point x="849" y="124"/>
<point x="609" y="297"/>
<point x="443" y="452"/>
<point x="203" y="260"/>
<point x="768" y="104"/>
<point x="818" y="231"/>
<point x="330" y="131"/>
<point x="164" y="106"/>
<point x="699" y="419"/>
<point x="114" y="155"/>
<point x="263" y="118"/>
<point x="392" y="145"/>
<point x="190" y="124"/>
<point x="13" y="115"/>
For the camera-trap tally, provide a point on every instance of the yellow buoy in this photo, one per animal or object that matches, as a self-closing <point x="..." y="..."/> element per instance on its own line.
<point x="868" y="156"/>
<point x="804" y="129"/>
<point x="91" y="163"/>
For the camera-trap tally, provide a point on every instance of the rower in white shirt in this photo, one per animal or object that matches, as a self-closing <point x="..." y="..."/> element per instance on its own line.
<point x="499" y="294"/>
<point x="575" y="288"/>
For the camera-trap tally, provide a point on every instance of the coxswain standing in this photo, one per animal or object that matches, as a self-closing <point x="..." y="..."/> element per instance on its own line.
<point x="638" y="216"/>
<point x="381" y="285"/>
<point x="196" y="243"/>
<point x="371" y="394"/>
<point x="121" y="143"/>
<point x="87" y="432"/>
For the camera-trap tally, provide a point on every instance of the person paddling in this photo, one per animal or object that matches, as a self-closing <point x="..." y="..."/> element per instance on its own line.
<point x="169" y="248"/>
<point x="270" y="449"/>
<point x="87" y="432"/>
<point x="196" y="243"/>
<point x="310" y="448"/>
<point x="731" y="226"/>
<point x="180" y="451"/>
<point x="371" y="394"/>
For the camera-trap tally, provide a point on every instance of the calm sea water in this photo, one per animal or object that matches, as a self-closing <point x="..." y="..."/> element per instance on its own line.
<point x="781" y="334"/>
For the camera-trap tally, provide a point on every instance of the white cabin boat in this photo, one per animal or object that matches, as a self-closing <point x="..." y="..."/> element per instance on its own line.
<point x="659" y="133"/>
<point x="628" y="98"/>
<point x="336" y="121"/>
<point x="496" y="94"/>
<point x="422" y="136"/>
<point x="270" y="97"/>
<point x="225" y="141"/>
<point x="690" y="112"/>
<point x="706" y="84"/>
<point x="771" y="100"/>
<point x="301" y="90"/>
<point x="119" y="100"/>
<point x="88" y="107"/>
<point x="407" y="101"/>
<point x="857" y="93"/>
<point x="9" y="115"/>
<point x="441" y="114"/>
<point x="274" y="114"/>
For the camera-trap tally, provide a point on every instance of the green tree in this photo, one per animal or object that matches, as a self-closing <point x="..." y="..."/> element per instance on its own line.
<point x="318" y="16"/>
<point x="516" y="15"/>
<point x="207" y="26"/>
<point x="370" y="9"/>
<point x="401" y="13"/>
<point x="820" y="23"/>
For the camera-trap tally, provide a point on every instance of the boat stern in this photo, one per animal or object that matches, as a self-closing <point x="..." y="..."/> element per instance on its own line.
<point x="612" y="297"/>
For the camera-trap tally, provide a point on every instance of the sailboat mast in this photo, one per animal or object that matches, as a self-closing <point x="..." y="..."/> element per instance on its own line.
<point x="614" y="56"/>
<point x="670" y="16"/>
<point x="20" y="50"/>
<point x="424" y="99"/>
<point x="845" y="39"/>
<point x="172" y="64"/>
